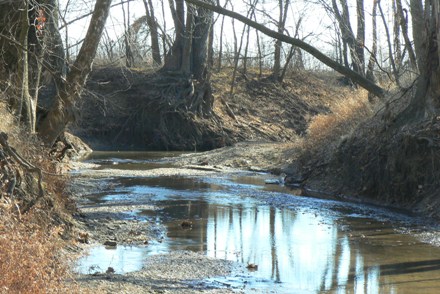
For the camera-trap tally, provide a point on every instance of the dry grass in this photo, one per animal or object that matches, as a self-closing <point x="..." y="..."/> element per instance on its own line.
<point x="328" y="130"/>
<point x="32" y="259"/>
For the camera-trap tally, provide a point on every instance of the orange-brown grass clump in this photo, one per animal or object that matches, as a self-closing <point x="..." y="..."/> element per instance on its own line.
<point x="30" y="257"/>
<point x="32" y="237"/>
<point x="327" y="131"/>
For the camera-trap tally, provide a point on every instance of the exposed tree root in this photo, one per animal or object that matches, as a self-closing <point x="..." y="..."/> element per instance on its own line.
<point x="385" y="162"/>
<point x="12" y="166"/>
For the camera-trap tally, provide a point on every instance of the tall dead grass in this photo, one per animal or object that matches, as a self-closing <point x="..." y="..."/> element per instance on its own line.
<point x="32" y="259"/>
<point x="326" y="131"/>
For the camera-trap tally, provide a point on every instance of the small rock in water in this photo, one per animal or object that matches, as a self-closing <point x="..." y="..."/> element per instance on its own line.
<point x="252" y="267"/>
<point x="186" y="224"/>
<point x="110" y="244"/>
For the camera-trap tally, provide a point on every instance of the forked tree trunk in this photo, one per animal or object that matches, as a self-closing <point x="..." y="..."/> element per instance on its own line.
<point x="62" y="110"/>
<point x="282" y="17"/>
<point x="189" y="53"/>
<point x="353" y="43"/>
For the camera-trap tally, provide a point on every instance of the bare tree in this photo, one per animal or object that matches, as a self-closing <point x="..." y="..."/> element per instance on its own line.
<point x="152" y="25"/>
<point x="129" y="57"/>
<point x="62" y="110"/>
<point x="220" y="51"/>
<point x="403" y="17"/>
<point x="356" y="77"/>
<point x="238" y="48"/>
<point x="281" y="25"/>
<point x="426" y="34"/>
<point x="394" y="69"/>
<point x="373" y="53"/>
<point x="396" y="36"/>
<point x="294" y="51"/>
<point x="360" y="35"/>
<point x="27" y="106"/>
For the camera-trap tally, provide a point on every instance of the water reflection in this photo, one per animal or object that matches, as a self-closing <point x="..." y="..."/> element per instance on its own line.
<point x="298" y="251"/>
<point x="312" y="246"/>
<point x="301" y="251"/>
<point x="122" y="259"/>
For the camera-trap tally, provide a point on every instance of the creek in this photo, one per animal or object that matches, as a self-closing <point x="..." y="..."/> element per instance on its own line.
<point x="300" y="244"/>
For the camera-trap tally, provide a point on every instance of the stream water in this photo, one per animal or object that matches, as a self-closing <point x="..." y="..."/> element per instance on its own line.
<point x="300" y="244"/>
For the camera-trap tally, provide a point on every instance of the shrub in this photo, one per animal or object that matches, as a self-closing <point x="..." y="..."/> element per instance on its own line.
<point x="328" y="130"/>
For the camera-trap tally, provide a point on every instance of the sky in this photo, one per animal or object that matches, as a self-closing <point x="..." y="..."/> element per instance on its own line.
<point x="317" y="26"/>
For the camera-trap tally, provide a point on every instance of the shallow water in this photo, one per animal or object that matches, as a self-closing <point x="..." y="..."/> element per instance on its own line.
<point x="300" y="244"/>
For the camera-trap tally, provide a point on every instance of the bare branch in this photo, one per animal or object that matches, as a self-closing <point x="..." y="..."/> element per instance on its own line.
<point x="357" y="78"/>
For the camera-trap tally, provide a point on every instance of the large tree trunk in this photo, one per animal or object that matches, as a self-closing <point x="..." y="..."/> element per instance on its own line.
<point x="174" y="58"/>
<point x="189" y="53"/>
<point x="424" y="103"/>
<point x="62" y="109"/>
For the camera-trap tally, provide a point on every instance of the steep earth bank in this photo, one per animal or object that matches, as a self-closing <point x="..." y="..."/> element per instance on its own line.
<point x="118" y="111"/>
<point x="368" y="159"/>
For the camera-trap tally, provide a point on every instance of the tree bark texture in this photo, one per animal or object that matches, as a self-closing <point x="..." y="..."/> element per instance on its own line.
<point x="62" y="110"/>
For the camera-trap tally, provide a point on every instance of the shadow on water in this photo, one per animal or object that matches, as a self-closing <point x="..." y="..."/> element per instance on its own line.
<point x="305" y="245"/>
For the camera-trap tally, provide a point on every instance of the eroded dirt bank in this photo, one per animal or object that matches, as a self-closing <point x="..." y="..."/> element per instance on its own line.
<point x="118" y="111"/>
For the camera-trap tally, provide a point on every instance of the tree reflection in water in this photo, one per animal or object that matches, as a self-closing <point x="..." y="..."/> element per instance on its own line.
<point x="299" y="250"/>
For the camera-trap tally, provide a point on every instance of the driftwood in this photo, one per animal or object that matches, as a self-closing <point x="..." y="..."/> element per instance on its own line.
<point x="11" y="176"/>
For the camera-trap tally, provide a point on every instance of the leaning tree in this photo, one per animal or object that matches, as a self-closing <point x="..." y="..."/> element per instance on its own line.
<point x="34" y="63"/>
